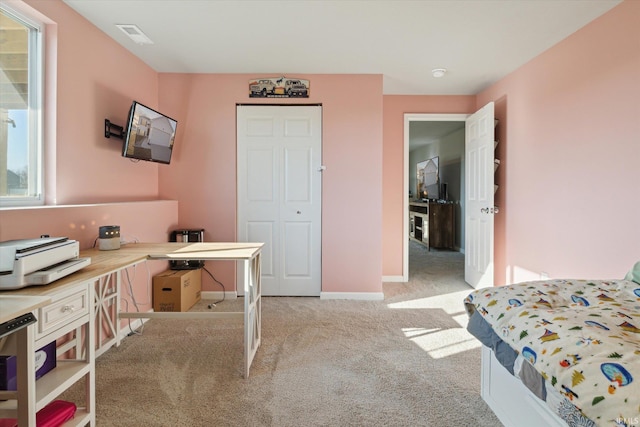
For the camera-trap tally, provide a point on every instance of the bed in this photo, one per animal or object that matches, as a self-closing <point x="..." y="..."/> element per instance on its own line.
<point x="570" y="347"/>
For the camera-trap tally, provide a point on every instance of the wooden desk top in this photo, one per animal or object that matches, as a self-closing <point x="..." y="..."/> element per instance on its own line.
<point x="187" y="251"/>
<point x="107" y="262"/>
<point x="12" y="306"/>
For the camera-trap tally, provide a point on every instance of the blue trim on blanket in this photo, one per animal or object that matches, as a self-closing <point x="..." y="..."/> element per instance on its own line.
<point x="480" y="328"/>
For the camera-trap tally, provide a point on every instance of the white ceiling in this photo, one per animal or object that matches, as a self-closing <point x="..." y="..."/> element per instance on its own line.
<point x="477" y="41"/>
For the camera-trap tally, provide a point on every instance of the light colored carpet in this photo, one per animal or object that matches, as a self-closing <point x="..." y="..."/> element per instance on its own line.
<point x="404" y="361"/>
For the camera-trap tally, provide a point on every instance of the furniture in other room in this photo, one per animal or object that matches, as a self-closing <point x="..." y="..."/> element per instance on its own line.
<point x="432" y="224"/>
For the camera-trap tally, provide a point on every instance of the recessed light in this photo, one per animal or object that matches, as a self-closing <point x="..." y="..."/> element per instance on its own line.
<point x="134" y="33"/>
<point x="438" y="72"/>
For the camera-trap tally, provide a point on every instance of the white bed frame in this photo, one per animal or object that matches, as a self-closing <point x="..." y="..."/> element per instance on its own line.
<point x="512" y="402"/>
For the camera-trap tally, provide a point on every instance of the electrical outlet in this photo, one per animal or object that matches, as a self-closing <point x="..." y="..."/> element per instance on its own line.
<point x="544" y="275"/>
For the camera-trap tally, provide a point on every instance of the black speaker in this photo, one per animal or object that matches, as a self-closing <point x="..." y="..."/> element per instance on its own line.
<point x="186" y="235"/>
<point x="443" y="192"/>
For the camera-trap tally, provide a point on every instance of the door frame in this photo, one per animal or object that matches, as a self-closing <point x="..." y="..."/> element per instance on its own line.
<point x="408" y="118"/>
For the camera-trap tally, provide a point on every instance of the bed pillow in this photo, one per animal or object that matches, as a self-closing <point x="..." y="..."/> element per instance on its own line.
<point x="634" y="273"/>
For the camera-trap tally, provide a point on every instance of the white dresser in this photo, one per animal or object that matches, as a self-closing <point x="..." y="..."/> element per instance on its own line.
<point x="66" y="315"/>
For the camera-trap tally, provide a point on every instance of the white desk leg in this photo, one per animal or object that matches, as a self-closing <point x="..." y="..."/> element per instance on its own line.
<point x="106" y="312"/>
<point x="118" y="297"/>
<point x="90" y="358"/>
<point x="252" y="310"/>
<point x="25" y="377"/>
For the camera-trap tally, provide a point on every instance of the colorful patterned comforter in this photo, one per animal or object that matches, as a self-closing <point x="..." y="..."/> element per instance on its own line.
<point x="582" y="336"/>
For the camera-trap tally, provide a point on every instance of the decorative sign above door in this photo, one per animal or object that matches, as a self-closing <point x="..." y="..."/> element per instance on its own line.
<point x="278" y="87"/>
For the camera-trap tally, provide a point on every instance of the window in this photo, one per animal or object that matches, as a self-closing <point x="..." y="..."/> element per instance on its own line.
<point x="21" y="165"/>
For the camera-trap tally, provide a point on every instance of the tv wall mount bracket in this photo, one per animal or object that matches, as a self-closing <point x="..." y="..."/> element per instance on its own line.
<point x="111" y="129"/>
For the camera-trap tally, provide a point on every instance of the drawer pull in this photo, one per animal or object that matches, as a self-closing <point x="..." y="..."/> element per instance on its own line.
<point x="68" y="309"/>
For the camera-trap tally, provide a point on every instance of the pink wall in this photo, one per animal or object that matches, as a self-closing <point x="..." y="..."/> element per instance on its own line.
<point x="139" y="222"/>
<point x="90" y="78"/>
<point x="570" y="154"/>
<point x="202" y="174"/>
<point x="393" y="217"/>
<point x="95" y="79"/>
<point x="568" y="132"/>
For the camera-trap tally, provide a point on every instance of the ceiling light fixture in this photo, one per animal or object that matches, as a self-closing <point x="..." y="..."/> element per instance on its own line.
<point x="134" y="33"/>
<point x="438" y="72"/>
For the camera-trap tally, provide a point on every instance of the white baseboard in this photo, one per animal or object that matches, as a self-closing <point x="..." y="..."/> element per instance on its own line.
<point x="218" y="295"/>
<point x="393" y="279"/>
<point x="363" y="296"/>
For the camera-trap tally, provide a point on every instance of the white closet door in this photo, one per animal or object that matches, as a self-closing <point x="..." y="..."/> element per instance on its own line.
<point x="279" y="190"/>
<point x="479" y="156"/>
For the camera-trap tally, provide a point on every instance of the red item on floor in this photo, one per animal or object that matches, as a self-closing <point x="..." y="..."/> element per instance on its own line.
<point x="54" y="414"/>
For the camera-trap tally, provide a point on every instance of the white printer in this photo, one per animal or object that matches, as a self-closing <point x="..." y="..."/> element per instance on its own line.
<point x="38" y="261"/>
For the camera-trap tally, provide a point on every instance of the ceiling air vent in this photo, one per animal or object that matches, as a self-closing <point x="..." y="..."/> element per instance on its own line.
<point x="134" y="33"/>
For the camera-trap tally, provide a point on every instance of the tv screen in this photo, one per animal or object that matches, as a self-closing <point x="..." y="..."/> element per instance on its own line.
<point x="428" y="184"/>
<point x="149" y="135"/>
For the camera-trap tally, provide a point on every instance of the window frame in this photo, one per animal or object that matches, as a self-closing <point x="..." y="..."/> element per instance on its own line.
<point x="35" y="108"/>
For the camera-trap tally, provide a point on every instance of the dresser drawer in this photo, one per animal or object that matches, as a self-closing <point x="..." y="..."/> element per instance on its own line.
<point x="63" y="311"/>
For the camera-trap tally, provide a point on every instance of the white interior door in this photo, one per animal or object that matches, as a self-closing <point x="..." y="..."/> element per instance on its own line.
<point x="479" y="157"/>
<point x="279" y="190"/>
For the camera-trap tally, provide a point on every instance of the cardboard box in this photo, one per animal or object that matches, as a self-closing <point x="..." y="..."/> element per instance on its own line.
<point x="45" y="361"/>
<point x="176" y="290"/>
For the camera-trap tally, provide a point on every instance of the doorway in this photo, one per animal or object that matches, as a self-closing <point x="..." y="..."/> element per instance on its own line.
<point x="479" y="168"/>
<point x="419" y="124"/>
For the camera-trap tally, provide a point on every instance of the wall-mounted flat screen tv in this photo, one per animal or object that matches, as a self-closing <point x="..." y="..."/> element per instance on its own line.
<point x="428" y="182"/>
<point x="149" y="135"/>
